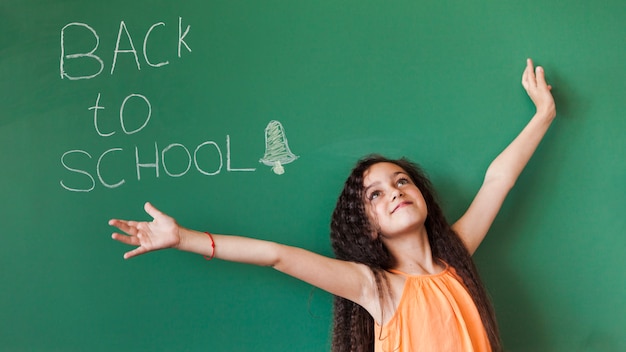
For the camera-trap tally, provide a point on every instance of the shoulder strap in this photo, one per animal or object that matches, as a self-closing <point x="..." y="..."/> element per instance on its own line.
<point x="398" y="272"/>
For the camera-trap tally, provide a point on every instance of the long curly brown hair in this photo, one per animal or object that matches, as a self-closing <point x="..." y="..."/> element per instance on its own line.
<point x="350" y="229"/>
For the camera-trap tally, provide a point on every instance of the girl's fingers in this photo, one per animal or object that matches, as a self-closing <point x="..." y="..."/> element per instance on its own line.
<point x="541" y="76"/>
<point x="135" y="252"/>
<point x="129" y="240"/>
<point x="534" y="77"/>
<point x="152" y="211"/>
<point x="129" y="227"/>
<point x="529" y="78"/>
<point x="116" y="222"/>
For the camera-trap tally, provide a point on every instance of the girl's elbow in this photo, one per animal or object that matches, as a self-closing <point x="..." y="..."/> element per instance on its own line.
<point x="503" y="180"/>
<point x="276" y="255"/>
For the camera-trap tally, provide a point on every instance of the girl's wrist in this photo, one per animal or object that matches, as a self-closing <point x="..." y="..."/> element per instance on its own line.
<point x="546" y="114"/>
<point x="183" y="238"/>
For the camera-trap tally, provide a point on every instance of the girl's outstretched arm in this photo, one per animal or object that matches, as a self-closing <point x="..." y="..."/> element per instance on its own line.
<point x="506" y="167"/>
<point x="346" y="279"/>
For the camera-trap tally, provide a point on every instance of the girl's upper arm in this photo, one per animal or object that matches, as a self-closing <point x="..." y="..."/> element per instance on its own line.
<point x="349" y="280"/>
<point x="473" y="226"/>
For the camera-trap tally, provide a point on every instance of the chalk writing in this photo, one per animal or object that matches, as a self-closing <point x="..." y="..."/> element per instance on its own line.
<point x="90" y="53"/>
<point x="175" y="159"/>
<point x="97" y="108"/>
<point x="202" y="164"/>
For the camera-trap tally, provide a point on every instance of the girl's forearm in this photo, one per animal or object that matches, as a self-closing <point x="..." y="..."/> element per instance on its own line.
<point x="231" y="248"/>
<point x="508" y="165"/>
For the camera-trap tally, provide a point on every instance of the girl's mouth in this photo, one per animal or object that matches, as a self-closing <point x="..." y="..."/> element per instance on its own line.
<point x="401" y="205"/>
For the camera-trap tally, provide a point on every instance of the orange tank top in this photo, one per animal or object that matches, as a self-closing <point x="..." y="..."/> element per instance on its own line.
<point x="435" y="313"/>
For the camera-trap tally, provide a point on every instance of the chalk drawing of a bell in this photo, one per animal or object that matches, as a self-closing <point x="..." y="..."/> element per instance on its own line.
<point x="277" y="151"/>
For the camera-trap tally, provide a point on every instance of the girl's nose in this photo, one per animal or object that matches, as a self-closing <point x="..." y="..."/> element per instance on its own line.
<point x="395" y="194"/>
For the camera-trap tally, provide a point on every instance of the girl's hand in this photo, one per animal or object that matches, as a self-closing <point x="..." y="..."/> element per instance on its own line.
<point x="161" y="232"/>
<point x="534" y="81"/>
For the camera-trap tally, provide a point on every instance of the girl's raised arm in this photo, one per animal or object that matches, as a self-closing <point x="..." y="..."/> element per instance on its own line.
<point x="346" y="279"/>
<point x="503" y="172"/>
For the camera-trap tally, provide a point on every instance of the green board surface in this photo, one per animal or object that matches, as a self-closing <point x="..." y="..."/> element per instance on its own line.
<point x="106" y="105"/>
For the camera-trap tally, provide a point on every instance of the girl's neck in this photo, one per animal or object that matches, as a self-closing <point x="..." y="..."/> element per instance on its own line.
<point x="412" y="254"/>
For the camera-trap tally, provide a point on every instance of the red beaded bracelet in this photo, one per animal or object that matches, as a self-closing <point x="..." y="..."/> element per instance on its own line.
<point x="212" y="246"/>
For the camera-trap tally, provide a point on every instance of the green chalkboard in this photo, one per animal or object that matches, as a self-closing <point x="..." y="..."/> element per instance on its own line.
<point x="107" y="104"/>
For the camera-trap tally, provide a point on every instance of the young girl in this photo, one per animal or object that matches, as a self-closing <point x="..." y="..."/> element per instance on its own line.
<point x="403" y="277"/>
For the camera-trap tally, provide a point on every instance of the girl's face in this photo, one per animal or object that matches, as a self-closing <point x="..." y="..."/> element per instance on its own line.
<point x="392" y="201"/>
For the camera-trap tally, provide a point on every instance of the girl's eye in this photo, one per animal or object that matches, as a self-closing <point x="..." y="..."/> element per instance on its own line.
<point x="373" y="195"/>
<point x="403" y="181"/>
